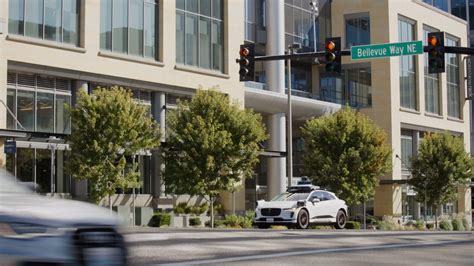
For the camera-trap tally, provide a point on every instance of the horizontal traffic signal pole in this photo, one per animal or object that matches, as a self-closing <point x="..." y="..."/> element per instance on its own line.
<point x="297" y="56"/>
<point x="454" y="50"/>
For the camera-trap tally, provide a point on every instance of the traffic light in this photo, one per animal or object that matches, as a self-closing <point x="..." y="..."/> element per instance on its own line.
<point x="436" y="52"/>
<point x="333" y="54"/>
<point x="247" y="62"/>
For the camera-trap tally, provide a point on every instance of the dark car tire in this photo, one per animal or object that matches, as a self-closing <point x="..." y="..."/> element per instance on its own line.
<point x="303" y="219"/>
<point x="341" y="219"/>
<point x="263" y="226"/>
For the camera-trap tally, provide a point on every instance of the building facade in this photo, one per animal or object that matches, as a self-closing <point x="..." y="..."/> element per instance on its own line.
<point x="163" y="50"/>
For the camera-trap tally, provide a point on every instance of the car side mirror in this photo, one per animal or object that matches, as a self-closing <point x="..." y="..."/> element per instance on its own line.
<point x="315" y="200"/>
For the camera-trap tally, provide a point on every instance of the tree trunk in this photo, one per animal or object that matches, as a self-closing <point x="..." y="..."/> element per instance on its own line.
<point x="110" y="204"/>
<point x="233" y="202"/>
<point x="212" y="211"/>
<point x="436" y="217"/>
<point x="365" y="218"/>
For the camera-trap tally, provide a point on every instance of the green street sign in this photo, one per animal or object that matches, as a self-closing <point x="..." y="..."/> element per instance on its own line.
<point x="386" y="50"/>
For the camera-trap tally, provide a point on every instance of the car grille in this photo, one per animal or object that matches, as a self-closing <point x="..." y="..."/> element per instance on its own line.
<point x="99" y="238"/>
<point x="270" y="211"/>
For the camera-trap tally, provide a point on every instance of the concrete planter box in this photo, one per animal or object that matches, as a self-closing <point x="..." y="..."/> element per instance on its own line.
<point x="182" y="220"/>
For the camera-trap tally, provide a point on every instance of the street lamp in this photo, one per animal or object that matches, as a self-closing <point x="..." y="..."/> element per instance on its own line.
<point x="314" y="14"/>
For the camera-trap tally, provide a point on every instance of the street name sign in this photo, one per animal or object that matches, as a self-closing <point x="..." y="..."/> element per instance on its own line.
<point x="386" y="50"/>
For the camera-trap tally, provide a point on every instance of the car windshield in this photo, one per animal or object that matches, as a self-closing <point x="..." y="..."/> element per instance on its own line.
<point x="287" y="196"/>
<point x="9" y="185"/>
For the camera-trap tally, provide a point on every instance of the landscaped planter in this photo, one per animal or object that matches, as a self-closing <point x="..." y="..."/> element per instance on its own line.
<point x="182" y="220"/>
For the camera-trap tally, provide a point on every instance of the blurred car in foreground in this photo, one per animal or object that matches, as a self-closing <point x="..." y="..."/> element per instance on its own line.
<point x="39" y="230"/>
<point x="301" y="206"/>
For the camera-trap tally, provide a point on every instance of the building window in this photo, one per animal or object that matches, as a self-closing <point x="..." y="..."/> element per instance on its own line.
<point x="353" y="89"/>
<point x="357" y="30"/>
<point x="130" y="27"/>
<point x="441" y="4"/>
<point x="53" y="20"/>
<point x="299" y="27"/>
<point x="407" y="67"/>
<point x="254" y="19"/>
<point x="38" y="103"/>
<point x="432" y="88"/>
<point x="406" y="152"/>
<point x="452" y="77"/>
<point x="459" y="8"/>
<point x="199" y="33"/>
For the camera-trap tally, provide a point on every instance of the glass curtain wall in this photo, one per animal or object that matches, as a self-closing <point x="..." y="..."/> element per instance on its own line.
<point x="408" y="90"/>
<point x="432" y="88"/>
<point x="199" y="34"/>
<point x="130" y="27"/>
<point x="452" y="74"/>
<point x="298" y="24"/>
<point x="38" y="102"/>
<point x="353" y="88"/>
<point x="52" y="20"/>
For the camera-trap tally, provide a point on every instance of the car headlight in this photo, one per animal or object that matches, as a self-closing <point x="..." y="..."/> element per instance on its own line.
<point x="291" y="209"/>
<point x="15" y="229"/>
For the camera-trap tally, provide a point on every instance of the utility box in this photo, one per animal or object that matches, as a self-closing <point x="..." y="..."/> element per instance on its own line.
<point x="143" y="215"/>
<point x="124" y="213"/>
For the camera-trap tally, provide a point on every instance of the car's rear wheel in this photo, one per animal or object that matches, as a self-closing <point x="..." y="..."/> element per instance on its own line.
<point x="303" y="219"/>
<point x="340" y="220"/>
<point x="263" y="226"/>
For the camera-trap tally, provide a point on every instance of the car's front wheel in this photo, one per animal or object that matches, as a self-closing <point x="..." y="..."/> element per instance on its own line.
<point x="340" y="220"/>
<point x="303" y="219"/>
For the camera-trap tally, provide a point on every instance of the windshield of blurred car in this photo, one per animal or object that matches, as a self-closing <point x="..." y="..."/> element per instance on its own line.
<point x="287" y="196"/>
<point x="9" y="185"/>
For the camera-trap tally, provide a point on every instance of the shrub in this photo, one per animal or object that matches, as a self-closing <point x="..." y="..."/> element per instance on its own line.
<point x="217" y="223"/>
<point x="446" y="225"/>
<point x="457" y="224"/>
<point x="388" y="224"/>
<point x="180" y="208"/>
<point x="160" y="219"/>
<point x="320" y="227"/>
<point x="200" y="209"/>
<point x="466" y="224"/>
<point x="352" y="225"/>
<point x="420" y="224"/>
<point x="231" y="220"/>
<point x="429" y="226"/>
<point x="195" y="221"/>
<point x="245" y="222"/>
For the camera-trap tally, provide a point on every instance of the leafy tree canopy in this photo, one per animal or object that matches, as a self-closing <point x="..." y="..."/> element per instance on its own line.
<point x="108" y="126"/>
<point x="440" y="167"/>
<point x="212" y="145"/>
<point x="346" y="152"/>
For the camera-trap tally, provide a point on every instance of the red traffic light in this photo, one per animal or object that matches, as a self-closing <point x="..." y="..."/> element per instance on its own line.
<point x="244" y="52"/>
<point x="330" y="46"/>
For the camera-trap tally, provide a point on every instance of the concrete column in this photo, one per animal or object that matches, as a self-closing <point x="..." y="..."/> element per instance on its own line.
<point x="80" y="186"/>
<point x="159" y="113"/>
<point x="275" y="72"/>
<point x="464" y="202"/>
<point x="60" y="184"/>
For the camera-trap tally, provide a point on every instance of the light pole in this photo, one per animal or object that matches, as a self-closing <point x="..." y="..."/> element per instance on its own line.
<point x="291" y="50"/>
<point x="314" y="14"/>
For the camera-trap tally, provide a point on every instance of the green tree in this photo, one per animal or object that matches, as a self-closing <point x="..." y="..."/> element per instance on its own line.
<point x="213" y="144"/>
<point x="108" y="127"/>
<point x="440" y="167"/>
<point x="346" y="152"/>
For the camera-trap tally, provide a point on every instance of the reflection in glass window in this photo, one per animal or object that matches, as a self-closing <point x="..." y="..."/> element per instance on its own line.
<point x="298" y="25"/>
<point x="353" y="88"/>
<point x="407" y="67"/>
<point x="357" y="31"/>
<point x="25" y="111"/>
<point x="54" y="20"/>
<point x="199" y="38"/>
<point x="39" y="103"/>
<point x="45" y="112"/>
<point x="452" y="77"/>
<point x="129" y="27"/>
<point x="406" y="151"/>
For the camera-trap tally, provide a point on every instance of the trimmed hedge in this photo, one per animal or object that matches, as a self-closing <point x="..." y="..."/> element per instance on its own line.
<point x="458" y="225"/>
<point x="466" y="224"/>
<point x="352" y="225"/>
<point x="196" y="221"/>
<point x="160" y="219"/>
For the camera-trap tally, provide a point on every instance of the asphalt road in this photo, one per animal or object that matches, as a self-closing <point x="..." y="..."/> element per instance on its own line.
<point x="295" y="247"/>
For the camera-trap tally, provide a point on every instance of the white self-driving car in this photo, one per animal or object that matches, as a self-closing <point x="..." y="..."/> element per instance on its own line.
<point x="37" y="230"/>
<point x="301" y="206"/>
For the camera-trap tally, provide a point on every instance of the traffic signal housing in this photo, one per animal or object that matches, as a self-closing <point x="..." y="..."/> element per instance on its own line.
<point x="247" y="62"/>
<point x="436" y="52"/>
<point x="333" y="54"/>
